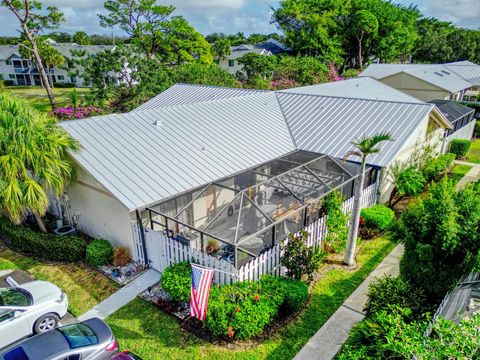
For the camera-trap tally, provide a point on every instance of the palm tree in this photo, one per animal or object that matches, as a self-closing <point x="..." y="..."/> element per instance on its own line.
<point x="34" y="160"/>
<point x="81" y="38"/>
<point x="365" y="146"/>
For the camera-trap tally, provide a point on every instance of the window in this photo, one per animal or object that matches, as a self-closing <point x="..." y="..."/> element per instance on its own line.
<point x="231" y="63"/>
<point x="78" y="335"/>
<point x="8" y="62"/>
<point x="14" y="297"/>
<point x="12" y="76"/>
<point x="73" y="79"/>
<point x="6" y="315"/>
<point x="17" y="64"/>
<point x="61" y="77"/>
<point x="1" y="76"/>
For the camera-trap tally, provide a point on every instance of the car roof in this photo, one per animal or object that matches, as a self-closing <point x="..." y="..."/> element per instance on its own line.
<point x="41" y="346"/>
<point x="100" y="328"/>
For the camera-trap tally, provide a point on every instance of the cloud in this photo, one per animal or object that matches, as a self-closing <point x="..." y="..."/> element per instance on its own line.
<point x="465" y="13"/>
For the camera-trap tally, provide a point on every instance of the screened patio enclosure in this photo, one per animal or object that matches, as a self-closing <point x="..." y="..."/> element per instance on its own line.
<point x="237" y="218"/>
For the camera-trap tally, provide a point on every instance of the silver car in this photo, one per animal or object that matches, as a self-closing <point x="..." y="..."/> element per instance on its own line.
<point x="89" y="340"/>
<point x="31" y="308"/>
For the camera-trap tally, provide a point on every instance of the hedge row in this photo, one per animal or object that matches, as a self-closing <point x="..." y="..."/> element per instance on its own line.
<point x="42" y="245"/>
<point x="243" y="309"/>
<point x="378" y="217"/>
<point x="460" y="147"/>
<point x="438" y="166"/>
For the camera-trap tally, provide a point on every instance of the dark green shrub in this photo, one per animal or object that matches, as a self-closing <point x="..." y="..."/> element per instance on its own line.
<point x="378" y="217"/>
<point x="438" y="166"/>
<point x="337" y="220"/>
<point x="99" y="252"/>
<point x="64" y="85"/>
<point x="176" y="280"/>
<point x="299" y="259"/>
<point x="477" y="129"/>
<point x="242" y="310"/>
<point x="41" y="245"/>
<point x="296" y="295"/>
<point x="8" y="82"/>
<point x="388" y="291"/>
<point x="460" y="147"/>
<point x="409" y="182"/>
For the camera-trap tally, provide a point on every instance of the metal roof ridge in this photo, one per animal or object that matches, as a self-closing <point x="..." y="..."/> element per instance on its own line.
<point x="353" y="98"/>
<point x="220" y="87"/>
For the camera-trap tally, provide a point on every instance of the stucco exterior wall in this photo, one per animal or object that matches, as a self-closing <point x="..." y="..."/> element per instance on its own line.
<point x="101" y="215"/>
<point x="413" y="147"/>
<point x="465" y="132"/>
<point x="417" y="88"/>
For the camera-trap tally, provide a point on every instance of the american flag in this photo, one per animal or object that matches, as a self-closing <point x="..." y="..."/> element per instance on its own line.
<point x="201" y="282"/>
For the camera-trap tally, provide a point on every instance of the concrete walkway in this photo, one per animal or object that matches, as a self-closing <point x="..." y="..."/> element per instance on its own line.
<point x="325" y="344"/>
<point x="471" y="176"/>
<point x="123" y="296"/>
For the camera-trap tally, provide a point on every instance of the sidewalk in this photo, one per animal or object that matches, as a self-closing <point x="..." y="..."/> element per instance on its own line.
<point x="123" y="296"/>
<point x="325" y="344"/>
<point x="472" y="175"/>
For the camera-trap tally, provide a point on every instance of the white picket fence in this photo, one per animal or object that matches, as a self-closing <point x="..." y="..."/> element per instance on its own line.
<point x="164" y="251"/>
<point x="269" y="261"/>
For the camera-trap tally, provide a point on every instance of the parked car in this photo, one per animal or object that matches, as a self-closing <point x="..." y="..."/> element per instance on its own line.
<point x="126" y="355"/>
<point x="31" y="308"/>
<point x="88" y="340"/>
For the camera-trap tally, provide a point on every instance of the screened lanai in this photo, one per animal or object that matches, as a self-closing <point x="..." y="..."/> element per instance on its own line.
<point x="239" y="217"/>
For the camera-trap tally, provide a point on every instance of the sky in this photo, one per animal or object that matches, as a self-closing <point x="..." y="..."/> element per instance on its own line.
<point x="231" y="16"/>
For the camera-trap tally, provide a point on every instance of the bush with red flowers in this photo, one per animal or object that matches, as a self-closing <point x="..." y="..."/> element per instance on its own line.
<point x="243" y="310"/>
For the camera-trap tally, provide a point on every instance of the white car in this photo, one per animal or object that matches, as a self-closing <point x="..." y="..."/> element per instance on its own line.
<point x="31" y="308"/>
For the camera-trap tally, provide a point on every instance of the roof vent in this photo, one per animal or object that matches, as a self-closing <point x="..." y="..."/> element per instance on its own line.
<point x="439" y="74"/>
<point x="203" y="148"/>
<point x="157" y="123"/>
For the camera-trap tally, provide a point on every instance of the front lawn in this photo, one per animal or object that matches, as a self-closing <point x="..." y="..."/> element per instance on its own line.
<point x="474" y="153"/>
<point x="84" y="286"/>
<point x="37" y="96"/>
<point x="459" y="171"/>
<point x="152" y="334"/>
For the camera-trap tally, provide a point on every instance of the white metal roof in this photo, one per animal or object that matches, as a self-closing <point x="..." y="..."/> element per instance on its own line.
<point x="357" y="88"/>
<point x="468" y="72"/>
<point x="437" y="75"/>
<point x="329" y="124"/>
<point x="65" y="49"/>
<point x="147" y="156"/>
<point x="181" y="94"/>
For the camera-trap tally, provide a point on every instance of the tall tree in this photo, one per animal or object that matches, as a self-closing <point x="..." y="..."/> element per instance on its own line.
<point x="155" y="32"/>
<point x="434" y="44"/>
<point x="365" y="147"/>
<point x="221" y="49"/>
<point x="81" y="38"/>
<point x="33" y="20"/>
<point x="34" y="159"/>
<point x="364" y="26"/>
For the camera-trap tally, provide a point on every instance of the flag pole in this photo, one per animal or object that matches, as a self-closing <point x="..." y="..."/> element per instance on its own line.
<point x="221" y="271"/>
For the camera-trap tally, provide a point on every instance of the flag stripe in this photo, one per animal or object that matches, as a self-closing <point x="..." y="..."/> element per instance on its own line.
<point x="201" y="283"/>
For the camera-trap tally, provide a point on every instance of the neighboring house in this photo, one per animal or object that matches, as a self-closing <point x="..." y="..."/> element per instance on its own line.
<point x="462" y="302"/>
<point x="470" y="72"/>
<point x="19" y="71"/>
<point x="266" y="48"/>
<point x="461" y="117"/>
<point x="191" y="135"/>
<point x="423" y="81"/>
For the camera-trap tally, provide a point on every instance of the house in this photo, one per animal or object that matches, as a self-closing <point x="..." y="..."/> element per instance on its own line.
<point x="423" y="81"/>
<point x="194" y="156"/>
<point x="19" y="71"/>
<point x="266" y="48"/>
<point x="470" y="72"/>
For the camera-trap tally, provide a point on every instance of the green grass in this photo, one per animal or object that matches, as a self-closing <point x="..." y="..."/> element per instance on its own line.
<point x="474" y="153"/>
<point x="37" y="96"/>
<point x="84" y="286"/>
<point x="146" y="330"/>
<point x="459" y="171"/>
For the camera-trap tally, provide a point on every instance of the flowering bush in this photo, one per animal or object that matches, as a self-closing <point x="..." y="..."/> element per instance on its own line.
<point x="242" y="310"/>
<point x="333" y="73"/>
<point x="69" y="113"/>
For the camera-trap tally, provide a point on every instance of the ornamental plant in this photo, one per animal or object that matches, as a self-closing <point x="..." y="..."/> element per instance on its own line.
<point x="176" y="280"/>
<point x="438" y="166"/>
<point x="70" y="113"/>
<point x="337" y="228"/>
<point x="299" y="259"/>
<point x="378" y="217"/>
<point x="408" y="181"/>
<point x="460" y="147"/>
<point x="99" y="252"/>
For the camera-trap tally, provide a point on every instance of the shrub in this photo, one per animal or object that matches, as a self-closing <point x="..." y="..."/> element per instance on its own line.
<point x="460" y="147"/>
<point x="388" y="291"/>
<point x="299" y="259"/>
<point x="176" y="280"/>
<point x="99" y="252"/>
<point x="213" y="247"/>
<point x="242" y="310"/>
<point x="121" y="256"/>
<point x="378" y="217"/>
<point x="337" y="233"/>
<point x="296" y="295"/>
<point x="409" y="182"/>
<point x="64" y="85"/>
<point x="477" y="129"/>
<point x="41" y="245"/>
<point x="438" y="166"/>
<point x="8" y="82"/>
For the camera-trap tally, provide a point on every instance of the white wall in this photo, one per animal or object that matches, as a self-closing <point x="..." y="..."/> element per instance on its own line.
<point x="101" y="215"/>
<point x="465" y="132"/>
<point x="417" y="88"/>
<point x="231" y="69"/>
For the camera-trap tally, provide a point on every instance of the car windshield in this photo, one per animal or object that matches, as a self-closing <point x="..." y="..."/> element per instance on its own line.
<point x="78" y="335"/>
<point x="15" y="297"/>
<point x="16" y="354"/>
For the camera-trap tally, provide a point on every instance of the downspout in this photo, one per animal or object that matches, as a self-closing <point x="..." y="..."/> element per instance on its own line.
<point x="146" y="263"/>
